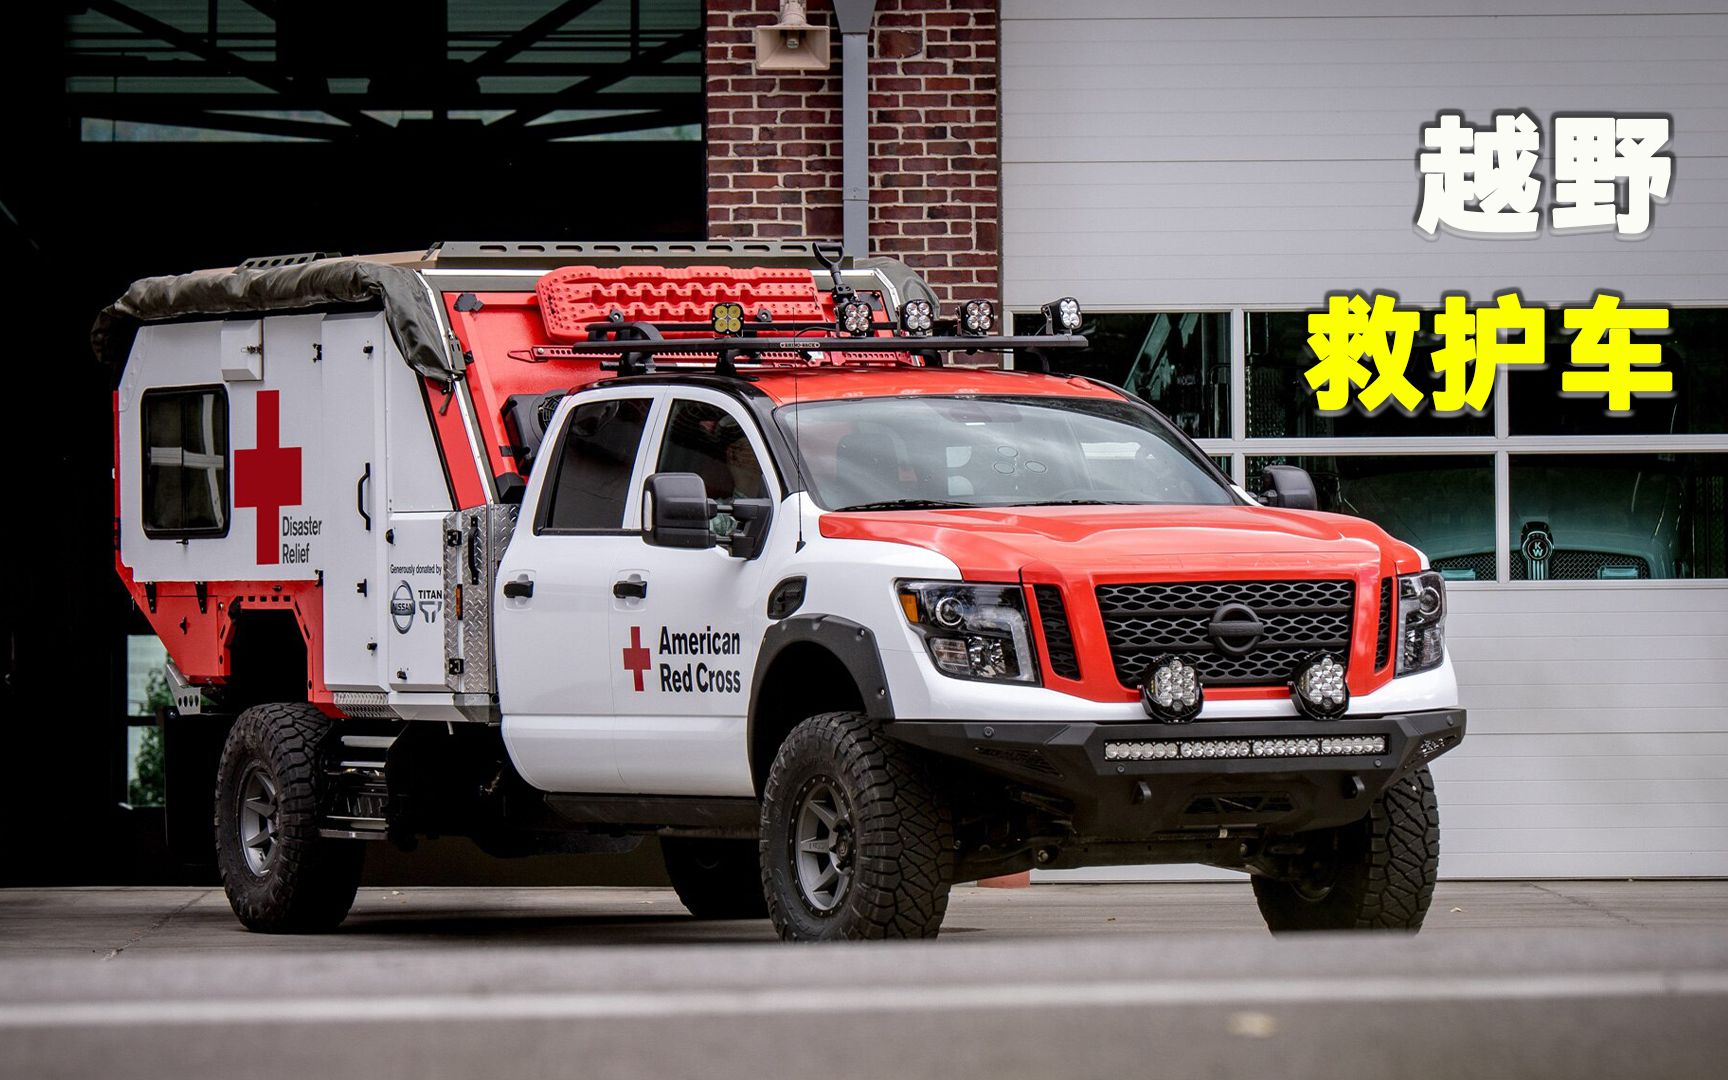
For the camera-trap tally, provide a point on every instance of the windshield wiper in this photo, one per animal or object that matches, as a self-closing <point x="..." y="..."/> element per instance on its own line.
<point x="909" y="504"/>
<point x="1076" y="502"/>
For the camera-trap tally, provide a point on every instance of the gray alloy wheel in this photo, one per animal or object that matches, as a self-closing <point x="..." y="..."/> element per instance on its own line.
<point x="824" y="845"/>
<point x="257" y="819"/>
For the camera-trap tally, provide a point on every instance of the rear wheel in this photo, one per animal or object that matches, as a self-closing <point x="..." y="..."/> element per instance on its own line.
<point x="1375" y="874"/>
<point x="856" y="842"/>
<point x="279" y="874"/>
<point x="716" y="879"/>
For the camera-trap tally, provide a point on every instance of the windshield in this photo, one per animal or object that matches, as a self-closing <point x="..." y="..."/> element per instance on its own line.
<point x="935" y="452"/>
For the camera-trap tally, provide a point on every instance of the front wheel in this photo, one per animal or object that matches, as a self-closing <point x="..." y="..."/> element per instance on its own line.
<point x="856" y="842"/>
<point x="1375" y="874"/>
<point x="280" y="875"/>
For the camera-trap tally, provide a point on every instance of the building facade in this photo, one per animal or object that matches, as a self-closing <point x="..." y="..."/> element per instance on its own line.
<point x="1202" y="176"/>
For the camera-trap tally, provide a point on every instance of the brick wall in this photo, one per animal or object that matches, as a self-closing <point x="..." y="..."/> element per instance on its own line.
<point x="774" y="140"/>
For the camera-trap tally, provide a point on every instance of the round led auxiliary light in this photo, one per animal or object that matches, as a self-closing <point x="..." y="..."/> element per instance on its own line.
<point x="1170" y="690"/>
<point x="1317" y="687"/>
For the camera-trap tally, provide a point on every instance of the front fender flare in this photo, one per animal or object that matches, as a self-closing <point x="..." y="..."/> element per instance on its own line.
<point x="853" y="644"/>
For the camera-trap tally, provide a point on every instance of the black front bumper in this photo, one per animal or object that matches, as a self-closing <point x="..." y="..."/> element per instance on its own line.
<point x="1137" y="800"/>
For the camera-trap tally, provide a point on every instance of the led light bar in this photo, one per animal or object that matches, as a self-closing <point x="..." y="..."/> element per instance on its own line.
<point x="1172" y="749"/>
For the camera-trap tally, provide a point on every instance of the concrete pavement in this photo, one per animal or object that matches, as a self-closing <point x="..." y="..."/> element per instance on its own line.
<point x="1561" y="979"/>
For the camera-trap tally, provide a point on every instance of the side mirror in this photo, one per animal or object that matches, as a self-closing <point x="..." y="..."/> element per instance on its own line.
<point x="1289" y="487"/>
<point x="751" y="536"/>
<point x="676" y="509"/>
<point x="677" y="513"/>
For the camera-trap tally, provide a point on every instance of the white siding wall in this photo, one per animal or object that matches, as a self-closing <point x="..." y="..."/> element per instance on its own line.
<point x="1190" y="155"/>
<point x="1193" y="155"/>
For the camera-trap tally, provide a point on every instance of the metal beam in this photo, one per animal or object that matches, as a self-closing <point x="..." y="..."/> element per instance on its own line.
<point x="599" y="125"/>
<point x="578" y="95"/>
<point x="526" y="37"/>
<point x="198" y="116"/>
<point x="227" y="61"/>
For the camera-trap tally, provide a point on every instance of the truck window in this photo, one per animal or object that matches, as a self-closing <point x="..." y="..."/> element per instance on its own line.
<point x="596" y="456"/>
<point x="880" y="453"/>
<point x="185" y="436"/>
<point x="705" y="439"/>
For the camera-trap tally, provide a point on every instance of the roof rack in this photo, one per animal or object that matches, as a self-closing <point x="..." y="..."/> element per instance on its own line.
<point x="271" y="262"/>
<point x="637" y="344"/>
<point x="496" y="255"/>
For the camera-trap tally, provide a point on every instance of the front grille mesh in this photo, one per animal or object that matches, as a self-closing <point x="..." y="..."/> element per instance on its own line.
<point x="1481" y="564"/>
<point x="1572" y="565"/>
<point x="1058" y="638"/>
<point x="1300" y="617"/>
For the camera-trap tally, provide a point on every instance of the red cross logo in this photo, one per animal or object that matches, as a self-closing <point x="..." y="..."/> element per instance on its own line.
<point x="268" y="477"/>
<point x="637" y="659"/>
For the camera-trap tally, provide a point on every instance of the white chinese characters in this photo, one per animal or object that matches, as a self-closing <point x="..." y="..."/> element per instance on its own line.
<point x="1482" y="182"/>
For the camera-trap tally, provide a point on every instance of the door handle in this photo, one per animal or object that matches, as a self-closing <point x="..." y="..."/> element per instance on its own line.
<point x="630" y="590"/>
<point x="518" y="590"/>
<point x="360" y="496"/>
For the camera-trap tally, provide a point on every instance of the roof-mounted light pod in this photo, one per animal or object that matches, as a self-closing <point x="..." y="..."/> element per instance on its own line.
<point x="1062" y="316"/>
<point x="728" y="319"/>
<point x="976" y="318"/>
<point x="852" y="316"/>
<point x="917" y="318"/>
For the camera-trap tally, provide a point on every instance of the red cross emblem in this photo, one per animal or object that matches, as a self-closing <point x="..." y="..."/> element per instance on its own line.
<point x="637" y="659"/>
<point x="268" y="477"/>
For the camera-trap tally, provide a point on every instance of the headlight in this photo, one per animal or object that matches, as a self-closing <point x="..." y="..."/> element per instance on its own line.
<point x="972" y="631"/>
<point x="1421" y="621"/>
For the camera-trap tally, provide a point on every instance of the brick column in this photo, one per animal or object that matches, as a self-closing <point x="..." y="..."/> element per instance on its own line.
<point x="935" y="190"/>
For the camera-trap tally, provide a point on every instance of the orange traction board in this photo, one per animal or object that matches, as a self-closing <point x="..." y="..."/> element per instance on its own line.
<point x="574" y="297"/>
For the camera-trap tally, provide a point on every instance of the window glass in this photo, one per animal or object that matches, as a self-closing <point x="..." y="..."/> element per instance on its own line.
<point x="1694" y="349"/>
<point x="997" y="451"/>
<point x="146" y="691"/>
<point x="1618" y="516"/>
<point x="707" y="440"/>
<point x="185" y="436"/>
<point x="592" y="483"/>
<point x="1443" y="504"/>
<point x="1177" y="361"/>
<point x="1280" y="403"/>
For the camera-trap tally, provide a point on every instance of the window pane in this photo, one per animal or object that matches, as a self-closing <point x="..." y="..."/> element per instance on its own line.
<point x="1694" y="349"/>
<point x="185" y="436"/>
<point x="1443" y="504"/>
<point x="1281" y="403"/>
<point x="1615" y="516"/>
<point x="1177" y="361"/>
<point x="993" y="451"/>
<point x="593" y="480"/>
<point x="709" y="441"/>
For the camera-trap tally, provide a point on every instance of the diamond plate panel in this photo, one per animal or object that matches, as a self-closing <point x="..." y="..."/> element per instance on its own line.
<point x="474" y="542"/>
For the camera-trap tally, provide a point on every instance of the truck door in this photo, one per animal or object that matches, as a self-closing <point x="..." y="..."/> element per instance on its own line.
<point x="578" y="533"/>
<point x="688" y="623"/>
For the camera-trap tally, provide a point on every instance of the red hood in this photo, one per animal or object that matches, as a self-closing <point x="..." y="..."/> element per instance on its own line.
<point x="1161" y="541"/>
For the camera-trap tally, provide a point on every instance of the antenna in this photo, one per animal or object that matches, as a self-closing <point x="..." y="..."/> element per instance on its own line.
<point x="798" y="456"/>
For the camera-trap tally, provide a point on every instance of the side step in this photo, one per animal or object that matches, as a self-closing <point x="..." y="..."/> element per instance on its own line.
<point x="358" y="810"/>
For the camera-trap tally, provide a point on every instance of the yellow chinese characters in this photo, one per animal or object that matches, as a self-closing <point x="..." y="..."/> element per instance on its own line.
<point x="1624" y="363"/>
<point x="1475" y="343"/>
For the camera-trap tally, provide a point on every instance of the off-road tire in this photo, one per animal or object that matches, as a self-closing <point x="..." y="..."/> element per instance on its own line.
<point x="902" y="862"/>
<point x="1381" y="871"/>
<point x="308" y="883"/>
<point x="716" y="879"/>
